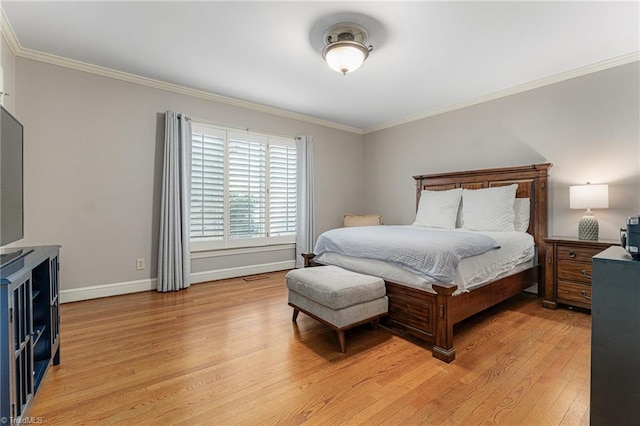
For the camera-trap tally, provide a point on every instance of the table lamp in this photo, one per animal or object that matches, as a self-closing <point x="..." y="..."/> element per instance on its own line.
<point x="588" y="197"/>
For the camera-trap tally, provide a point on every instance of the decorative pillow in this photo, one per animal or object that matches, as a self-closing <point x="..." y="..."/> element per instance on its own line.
<point x="361" y="220"/>
<point x="489" y="209"/>
<point x="521" y="209"/>
<point x="438" y="209"/>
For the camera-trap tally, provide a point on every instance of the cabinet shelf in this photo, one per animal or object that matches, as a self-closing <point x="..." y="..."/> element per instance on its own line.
<point x="38" y="331"/>
<point x="39" y="368"/>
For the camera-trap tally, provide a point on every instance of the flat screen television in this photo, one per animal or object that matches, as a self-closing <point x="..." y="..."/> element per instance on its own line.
<point x="11" y="184"/>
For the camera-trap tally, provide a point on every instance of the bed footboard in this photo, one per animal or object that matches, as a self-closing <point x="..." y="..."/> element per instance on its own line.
<point x="431" y="317"/>
<point x="424" y="315"/>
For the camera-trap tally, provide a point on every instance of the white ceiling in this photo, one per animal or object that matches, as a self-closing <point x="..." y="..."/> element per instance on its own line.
<point x="427" y="57"/>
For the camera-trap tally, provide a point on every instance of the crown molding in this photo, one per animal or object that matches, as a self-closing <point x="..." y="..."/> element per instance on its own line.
<point x="578" y="72"/>
<point x="7" y="32"/>
<point x="35" y="55"/>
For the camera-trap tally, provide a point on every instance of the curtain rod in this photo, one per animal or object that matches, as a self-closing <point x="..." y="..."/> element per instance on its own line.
<point x="246" y="129"/>
<point x="179" y="114"/>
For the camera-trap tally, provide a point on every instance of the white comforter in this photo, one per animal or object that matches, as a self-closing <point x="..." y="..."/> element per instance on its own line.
<point x="432" y="253"/>
<point x="516" y="253"/>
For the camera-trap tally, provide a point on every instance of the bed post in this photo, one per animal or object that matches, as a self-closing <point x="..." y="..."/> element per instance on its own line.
<point x="541" y="221"/>
<point x="443" y="347"/>
<point x="308" y="260"/>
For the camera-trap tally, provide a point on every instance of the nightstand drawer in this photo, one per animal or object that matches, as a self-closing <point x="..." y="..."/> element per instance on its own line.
<point x="575" y="271"/>
<point x="581" y="254"/>
<point x="574" y="294"/>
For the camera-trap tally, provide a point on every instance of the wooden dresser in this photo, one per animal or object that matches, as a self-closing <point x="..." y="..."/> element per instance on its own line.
<point x="568" y="270"/>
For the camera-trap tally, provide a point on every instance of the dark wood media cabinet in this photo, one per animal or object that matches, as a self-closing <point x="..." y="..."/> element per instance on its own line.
<point x="615" y="339"/>
<point x="29" y="327"/>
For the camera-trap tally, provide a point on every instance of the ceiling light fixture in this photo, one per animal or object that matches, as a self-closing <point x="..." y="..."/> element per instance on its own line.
<point x="346" y="47"/>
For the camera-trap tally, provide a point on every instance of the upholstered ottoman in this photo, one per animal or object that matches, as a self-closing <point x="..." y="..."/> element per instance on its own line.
<point x="336" y="297"/>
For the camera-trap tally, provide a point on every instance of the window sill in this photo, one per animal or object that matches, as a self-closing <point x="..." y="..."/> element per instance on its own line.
<point x="205" y="254"/>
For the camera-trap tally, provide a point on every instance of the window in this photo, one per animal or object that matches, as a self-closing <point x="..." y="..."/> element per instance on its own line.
<point x="243" y="189"/>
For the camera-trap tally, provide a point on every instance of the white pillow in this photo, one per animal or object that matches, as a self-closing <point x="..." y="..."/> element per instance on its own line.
<point x="489" y="209"/>
<point x="438" y="209"/>
<point x="521" y="209"/>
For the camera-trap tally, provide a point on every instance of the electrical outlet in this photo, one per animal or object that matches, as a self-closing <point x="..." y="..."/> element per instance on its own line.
<point x="140" y="264"/>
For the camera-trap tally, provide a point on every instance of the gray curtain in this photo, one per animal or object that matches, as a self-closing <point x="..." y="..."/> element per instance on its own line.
<point x="305" y="232"/>
<point x="174" y="260"/>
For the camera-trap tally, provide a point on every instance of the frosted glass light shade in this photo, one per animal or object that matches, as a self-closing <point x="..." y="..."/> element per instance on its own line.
<point x="589" y="196"/>
<point x="345" y="57"/>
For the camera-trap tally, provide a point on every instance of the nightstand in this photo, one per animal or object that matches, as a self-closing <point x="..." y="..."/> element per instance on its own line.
<point x="567" y="276"/>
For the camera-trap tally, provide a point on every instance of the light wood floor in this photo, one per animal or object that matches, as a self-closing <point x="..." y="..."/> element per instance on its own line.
<point x="227" y="353"/>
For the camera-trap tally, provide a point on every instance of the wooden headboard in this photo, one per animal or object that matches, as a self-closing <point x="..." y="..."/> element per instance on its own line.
<point x="532" y="184"/>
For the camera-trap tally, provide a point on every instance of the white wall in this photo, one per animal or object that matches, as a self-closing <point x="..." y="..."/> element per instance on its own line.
<point x="588" y="127"/>
<point x="93" y="156"/>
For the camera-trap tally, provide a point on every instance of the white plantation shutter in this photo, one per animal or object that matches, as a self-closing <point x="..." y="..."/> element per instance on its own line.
<point x="243" y="188"/>
<point x="247" y="188"/>
<point x="282" y="190"/>
<point x="207" y="186"/>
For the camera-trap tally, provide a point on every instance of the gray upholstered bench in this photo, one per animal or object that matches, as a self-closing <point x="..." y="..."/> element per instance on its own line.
<point x="336" y="297"/>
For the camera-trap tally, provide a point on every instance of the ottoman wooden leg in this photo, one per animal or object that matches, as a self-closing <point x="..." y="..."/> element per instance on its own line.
<point x="295" y="315"/>
<point x="343" y="344"/>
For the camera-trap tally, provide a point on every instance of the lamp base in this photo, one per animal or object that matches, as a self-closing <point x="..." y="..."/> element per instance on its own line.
<point x="588" y="227"/>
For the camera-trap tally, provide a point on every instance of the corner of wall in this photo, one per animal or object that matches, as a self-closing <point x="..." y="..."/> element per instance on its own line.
<point x="7" y="65"/>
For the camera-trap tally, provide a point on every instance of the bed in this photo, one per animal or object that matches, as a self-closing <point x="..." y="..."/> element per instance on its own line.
<point x="429" y="312"/>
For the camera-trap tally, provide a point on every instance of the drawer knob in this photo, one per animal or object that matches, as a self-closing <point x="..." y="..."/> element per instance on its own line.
<point x="584" y="294"/>
<point x="584" y="273"/>
<point x="572" y="254"/>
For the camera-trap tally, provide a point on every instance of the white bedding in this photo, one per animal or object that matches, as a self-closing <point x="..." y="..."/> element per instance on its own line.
<point x="429" y="252"/>
<point x="515" y="254"/>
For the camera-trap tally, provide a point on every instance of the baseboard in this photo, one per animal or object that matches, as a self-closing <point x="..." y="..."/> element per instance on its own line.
<point x="221" y="274"/>
<point x="115" y="289"/>
<point x="106" y="290"/>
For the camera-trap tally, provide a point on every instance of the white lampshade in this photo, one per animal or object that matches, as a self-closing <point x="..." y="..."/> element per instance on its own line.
<point x="345" y="57"/>
<point x="589" y="196"/>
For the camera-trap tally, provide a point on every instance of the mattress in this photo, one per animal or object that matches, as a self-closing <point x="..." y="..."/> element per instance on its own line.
<point x="516" y="253"/>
